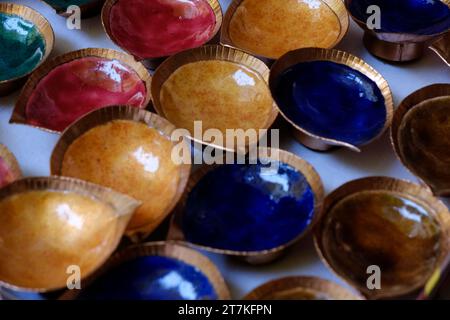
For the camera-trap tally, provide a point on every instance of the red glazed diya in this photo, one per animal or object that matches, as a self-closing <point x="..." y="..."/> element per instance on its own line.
<point x="76" y="83"/>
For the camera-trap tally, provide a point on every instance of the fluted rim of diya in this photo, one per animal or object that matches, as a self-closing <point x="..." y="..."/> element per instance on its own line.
<point x="152" y="62"/>
<point x="410" y="190"/>
<point x="307" y="284"/>
<point x="45" y="29"/>
<point x="106" y="115"/>
<point x="207" y="53"/>
<point x="122" y="205"/>
<point x="292" y="58"/>
<point x="336" y="6"/>
<point x="422" y="95"/>
<point x="164" y="249"/>
<point x="88" y="10"/>
<point x="19" y="114"/>
<point x="442" y="48"/>
<point x="253" y="257"/>
<point x="11" y="161"/>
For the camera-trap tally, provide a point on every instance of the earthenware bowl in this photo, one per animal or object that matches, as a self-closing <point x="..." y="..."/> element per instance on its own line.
<point x="420" y="134"/>
<point x="73" y="84"/>
<point x="338" y="100"/>
<point x="52" y="225"/>
<point x="155" y="271"/>
<point x="9" y="167"/>
<point x="442" y="48"/>
<point x="89" y="8"/>
<point x="389" y="233"/>
<point x="24" y="47"/>
<point x="130" y="150"/>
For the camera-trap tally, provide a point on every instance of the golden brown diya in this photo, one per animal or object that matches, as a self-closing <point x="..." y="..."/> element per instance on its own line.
<point x="392" y="224"/>
<point x="271" y="28"/>
<point x="89" y="8"/>
<point x="50" y="224"/>
<point x="9" y="167"/>
<point x="421" y="136"/>
<point x="129" y="150"/>
<point x="27" y="39"/>
<point x="301" y="288"/>
<point x="222" y="87"/>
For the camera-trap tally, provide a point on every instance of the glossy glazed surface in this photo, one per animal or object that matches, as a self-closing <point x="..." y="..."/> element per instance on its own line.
<point x="422" y="17"/>
<point x="248" y="208"/>
<point x="385" y="229"/>
<point x="151" y="278"/>
<point x="270" y="28"/>
<point x="22" y="46"/>
<point x="331" y="100"/>
<point x="223" y="95"/>
<point x="75" y="88"/>
<point x="63" y="4"/>
<point x="158" y="28"/>
<point x="131" y="158"/>
<point x="42" y="233"/>
<point x="424" y="140"/>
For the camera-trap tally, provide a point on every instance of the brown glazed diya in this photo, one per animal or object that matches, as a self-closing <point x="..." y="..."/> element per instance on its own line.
<point x="9" y="167"/>
<point x="271" y="28"/>
<point x="253" y="211"/>
<point x="27" y="39"/>
<point x="89" y="8"/>
<point x="392" y="224"/>
<point x="442" y="48"/>
<point x="301" y="288"/>
<point x="129" y="150"/>
<point x="222" y="87"/>
<point x="73" y="84"/>
<point x="153" y="30"/>
<point x="420" y="135"/>
<point x="154" y="271"/>
<point x="50" y="224"/>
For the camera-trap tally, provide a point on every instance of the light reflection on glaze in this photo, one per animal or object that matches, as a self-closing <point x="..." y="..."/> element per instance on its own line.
<point x="270" y="28"/>
<point x="75" y="88"/>
<point x="239" y="207"/>
<point x="383" y="229"/>
<point x="129" y="157"/>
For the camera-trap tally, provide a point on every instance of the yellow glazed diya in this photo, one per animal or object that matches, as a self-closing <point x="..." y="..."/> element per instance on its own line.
<point x="9" y="167"/>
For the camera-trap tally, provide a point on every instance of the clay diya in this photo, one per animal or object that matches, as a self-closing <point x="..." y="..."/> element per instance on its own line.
<point x="50" y="224"/>
<point x="222" y="87"/>
<point x="154" y="30"/>
<point x="9" y="167"/>
<point x="331" y="98"/>
<point x="70" y="86"/>
<point x="442" y="48"/>
<point x="395" y="225"/>
<point x="27" y="39"/>
<point x="253" y="210"/>
<point x="129" y="150"/>
<point x="89" y="8"/>
<point x="252" y="26"/>
<point x="155" y="271"/>
<point x="301" y="288"/>
<point x="406" y="27"/>
<point x="421" y="136"/>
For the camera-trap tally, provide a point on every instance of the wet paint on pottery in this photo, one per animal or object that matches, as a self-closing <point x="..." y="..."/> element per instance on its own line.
<point x="22" y="46"/>
<point x="248" y="208"/>
<point x="151" y="278"/>
<point x="76" y="88"/>
<point x="158" y="28"/>
<point x="331" y="100"/>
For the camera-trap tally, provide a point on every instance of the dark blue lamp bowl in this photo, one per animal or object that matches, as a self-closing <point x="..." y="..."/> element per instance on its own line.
<point x="253" y="210"/>
<point x="154" y="271"/>
<point x="407" y="27"/>
<point x="89" y="8"/>
<point x="331" y="98"/>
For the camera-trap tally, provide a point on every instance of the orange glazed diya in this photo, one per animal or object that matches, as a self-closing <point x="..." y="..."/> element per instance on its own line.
<point x="9" y="168"/>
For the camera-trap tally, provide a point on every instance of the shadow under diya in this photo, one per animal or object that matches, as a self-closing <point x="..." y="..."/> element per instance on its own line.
<point x="395" y="225"/>
<point x="252" y="211"/>
<point x="50" y="224"/>
<point x="331" y="98"/>
<point x="421" y="136"/>
<point x="155" y="271"/>
<point x="89" y="8"/>
<point x="27" y="39"/>
<point x="407" y="27"/>
<point x="9" y="167"/>
<point x="69" y="86"/>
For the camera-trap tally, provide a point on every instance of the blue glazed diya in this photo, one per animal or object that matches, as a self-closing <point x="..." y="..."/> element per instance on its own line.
<point x="331" y="97"/>
<point x="88" y="8"/>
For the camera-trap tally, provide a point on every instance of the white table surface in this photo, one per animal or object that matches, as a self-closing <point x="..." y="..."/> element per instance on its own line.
<point x="33" y="147"/>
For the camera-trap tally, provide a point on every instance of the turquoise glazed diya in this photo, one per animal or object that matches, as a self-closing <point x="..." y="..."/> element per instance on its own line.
<point x="88" y="8"/>
<point x="252" y="210"/>
<point x="331" y="98"/>
<point x="155" y="271"/>
<point x="26" y="40"/>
